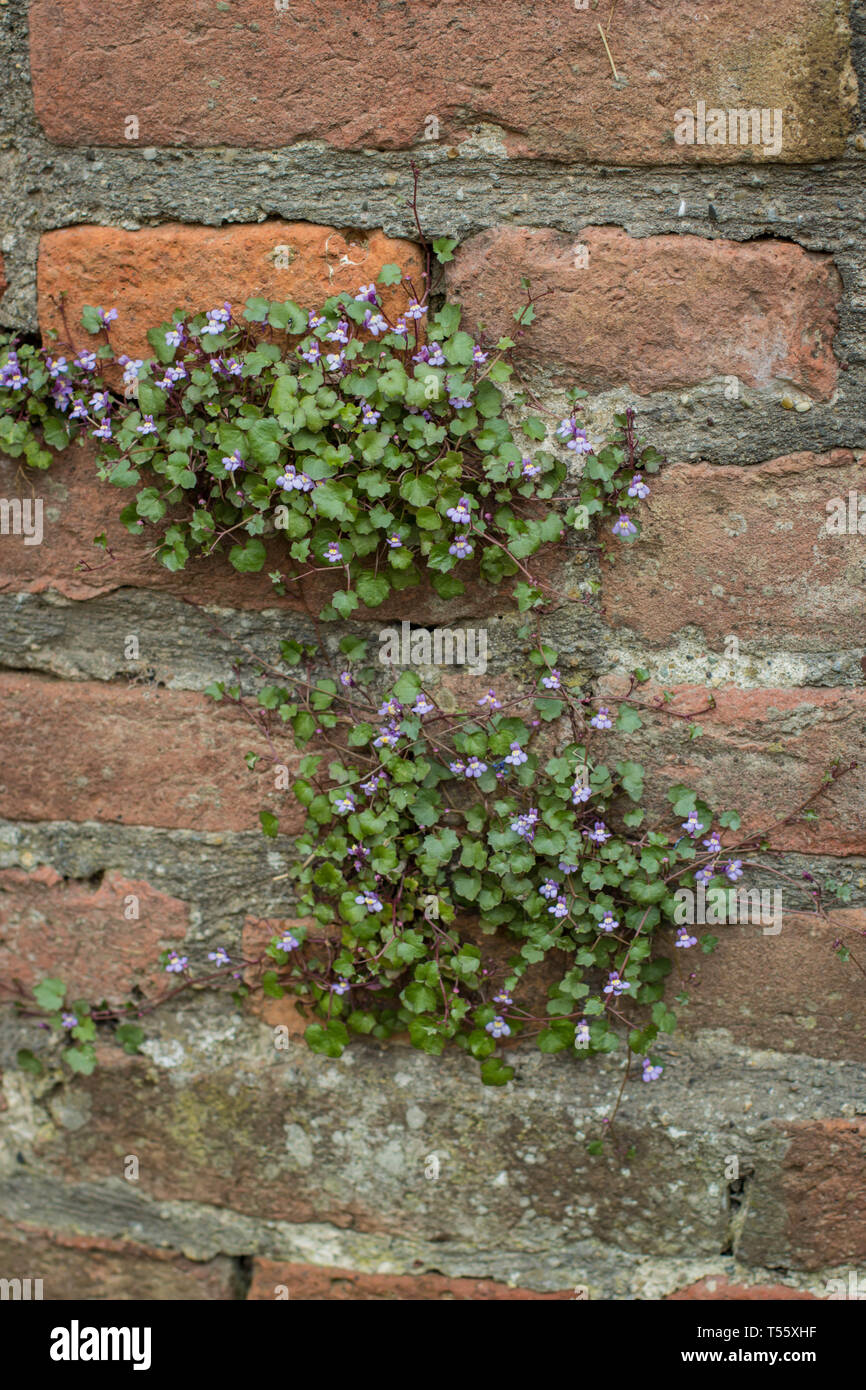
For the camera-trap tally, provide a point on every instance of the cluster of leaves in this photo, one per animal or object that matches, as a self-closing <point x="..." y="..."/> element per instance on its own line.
<point x="427" y="831"/>
<point x="76" y="1024"/>
<point x="376" y="448"/>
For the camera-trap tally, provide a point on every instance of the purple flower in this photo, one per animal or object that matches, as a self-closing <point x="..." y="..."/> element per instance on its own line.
<point x="147" y="426"/>
<point x="176" y="964"/>
<point x="581" y="1033"/>
<point x="232" y="462"/>
<point x="415" y="311"/>
<point x="461" y="548"/>
<point x="333" y="554"/>
<point x="458" y="768"/>
<point x="552" y="682"/>
<point x="524" y="825"/>
<point x="344" y="804"/>
<point x="11" y="374"/>
<point x="566" y="868"/>
<point x="638" y="488"/>
<point x="498" y="1028"/>
<point x="602" y="719"/>
<point x="367" y="293"/>
<point x="371" y="786"/>
<point x="131" y="371"/>
<point x="624" y="527"/>
<point x="608" y="922"/>
<point x="375" y="323"/>
<point x="339" y="334"/>
<point x="287" y="942"/>
<point x="461" y="515"/>
<point x="107" y="316"/>
<point x="312" y="354"/>
<point x="342" y="988"/>
<point x="422" y="705"/>
<point x="580" y="793"/>
<point x="692" y="826"/>
<point x="550" y="888"/>
<point x="615" y="985"/>
<point x="478" y="356"/>
<point x="86" y="361"/>
<point x="369" y="416"/>
<point x="516" y="756"/>
<point x="298" y="482"/>
<point x="734" y="869"/>
<point x="370" y="901"/>
<point x="713" y="844"/>
<point x="530" y="469"/>
<point x="175" y="336"/>
<point x="703" y="875"/>
<point x="68" y="1020"/>
<point x="599" y="833"/>
<point x="503" y="997"/>
<point x="220" y="956"/>
<point x="346" y="678"/>
<point x="559" y="908"/>
<point x="459" y="402"/>
<point x="395" y="542"/>
<point x="475" y="768"/>
<point x="60" y="367"/>
<point x="315" y="320"/>
<point x="391" y="708"/>
<point x="490" y="699"/>
<point x="79" y="410"/>
<point x="103" y="431"/>
<point x="388" y="738"/>
<point x="435" y="356"/>
<point x="683" y="938"/>
<point x="100" y="400"/>
<point x="650" y="1073"/>
<point x="335" y="360"/>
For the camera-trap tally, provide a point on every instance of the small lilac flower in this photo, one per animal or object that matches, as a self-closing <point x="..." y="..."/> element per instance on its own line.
<point x="553" y="681"/>
<point x="338" y="334"/>
<point x="346" y="678"/>
<point x="131" y="371"/>
<point x="333" y="553"/>
<point x="176" y="373"/>
<point x="359" y="853"/>
<point x="369" y="416"/>
<point x="422" y="705"/>
<point x="638" y="488"/>
<point x="342" y="988"/>
<point x="103" y="430"/>
<point x="367" y="293"/>
<point x="559" y="908"/>
<point x="684" y="940"/>
<point x="478" y="356"/>
<point x="650" y="1073"/>
<point x="490" y="700"/>
<point x="615" y="985"/>
<point x="415" y="311"/>
<point x="458" y="768"/>
<point x="175" y="336"/>
<point x="400" y="328"/>
<point x="550" y="888"/>
<point x="388" y="738"/>
<point x="566" y="868"/>
<point x="461" y="548"/>
<point x="524" y="825"/>
<point x="498" y="1028"/>
<point x="11" y="374"/>
<point x="220" y="956"/>
<point x="375" y="323"/>
<point x="703" y="875"/>
<point x="79" y="410"/>
<point x="459" y="402"/>
<point x="713" y="844"/>
<point x="395" y="542"/>
<point x="86" y="361"/>
<point x="370" y="901"/>
<point x="734" y="869"/>
<point x="232" y="462"/>
<point x="461" y="515"/>
<point x="599" y="833"/>
<point x="624" y="527"/>
<point x="530" y="469"/>
<point x="176" y="964"/>
<point x="100" y="400"/>
<point x="371" y="786"/>
<point x="503" y="997"/>
<point x="580" y="793"/>
<point x="516" y="756"/>
<point x="391" y="707"/>
<point x="435" y="355"/>
<point x="475" y="768"/>
<point x="692" y="826"/>
<point x="335" y="360"/>
<point x="68" y="1020"/>
<point x="287" y="942"/>
<point x="107" y="316"/>
<point x="608" y="922"/>
<point x="60" y="367"/>
<point x="344" y="804"/>
<point x="147" y="426"/>
<point x="312" y="354"/>
<point x="315" y="320"/>
<point x="602" y="719"/>
<point x="581" y="1033"/>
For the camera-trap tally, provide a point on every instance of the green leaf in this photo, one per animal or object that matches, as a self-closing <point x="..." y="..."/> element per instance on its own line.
<point x="81" y="1059"/>
<point x="49" y="994"/>
<point x="443" y="248"/>
<point x="29" y="1062"/>
<point x="270" y="824"/>
<point x="495" y="1073"/>
<point x="248" y="558"/>
<point x="329" y="1040"/>
<point x="390" y="275"/>
<point x="372" y="589"/>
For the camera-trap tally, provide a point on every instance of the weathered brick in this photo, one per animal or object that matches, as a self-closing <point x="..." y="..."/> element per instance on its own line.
<point x="148" y="274"/>
<point x="319" y="1283"/>
<point x="255" y="75"/>
<point x="720" y="1290"/>
<point x="77" y="507"/>
<point x="87" y="751"/>
<point x="658" y="311"/>
<point x="762" y="753"/>
<point x="79" y="1268"/>
<point x="49" y="926"/>
<point x="744" y="552"/>
<point x="787" y="992"/>
<point x="824" y="1171"/>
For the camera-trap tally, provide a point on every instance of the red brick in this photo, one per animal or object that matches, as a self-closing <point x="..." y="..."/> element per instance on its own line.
<point x="319" y="1283"/>
<point x="82" y="1268"/>
<point x="148" y="274"/>
<point x="87" y="751"/>
<point x="81" y="934"/>
<point x="363" y="75"/>
<point x="659" y="311"/>
<point x="744" y="552"/>
<point x="787" y="992"/>
<point x="762" y="753"/>
<point x="823" y="1175"/>
<point x="720" y="1290"/>
<point x="79" y="507"/>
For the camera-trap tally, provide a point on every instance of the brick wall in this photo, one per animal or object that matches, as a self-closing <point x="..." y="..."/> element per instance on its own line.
<point x="160" y="154"/>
